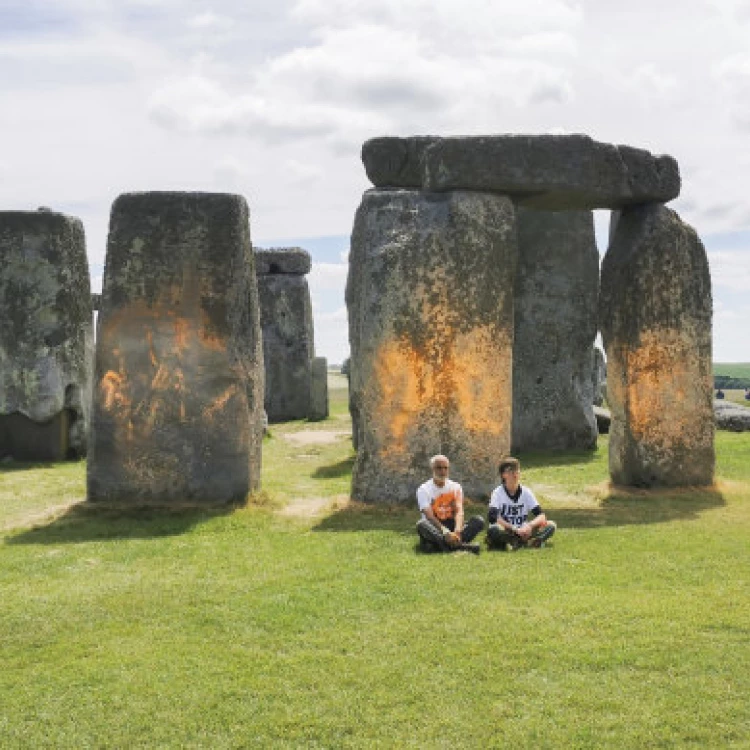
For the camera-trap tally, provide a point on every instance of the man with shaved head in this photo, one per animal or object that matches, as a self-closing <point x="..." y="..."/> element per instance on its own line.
<point x="441" y="500"/>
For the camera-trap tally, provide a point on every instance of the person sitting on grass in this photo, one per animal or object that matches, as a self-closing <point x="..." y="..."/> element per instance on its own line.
<point x="441" y="500"/>
<point x="516" y="518"/>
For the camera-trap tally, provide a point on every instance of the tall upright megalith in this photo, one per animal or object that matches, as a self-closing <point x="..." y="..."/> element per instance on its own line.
<point x="178" y="395"/>
<point x="430" y="301"/>
<point x="287" y="324"/>
<point x="45" y="336"/>
<point x="655" y="314"/>
<point x="318" y="390"/>
<point x="556" y="294"/>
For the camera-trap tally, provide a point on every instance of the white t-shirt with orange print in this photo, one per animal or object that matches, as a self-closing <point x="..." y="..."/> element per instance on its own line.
<point x="444" y="500"/>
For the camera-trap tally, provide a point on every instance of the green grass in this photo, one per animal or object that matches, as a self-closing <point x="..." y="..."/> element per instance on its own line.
<point x="732" y="369"/>
<point x="286" y="624"/>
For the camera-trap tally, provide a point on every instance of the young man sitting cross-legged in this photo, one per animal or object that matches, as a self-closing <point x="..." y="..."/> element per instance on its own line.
<point x="516" y="518"/>
<point x="441" y="500"/>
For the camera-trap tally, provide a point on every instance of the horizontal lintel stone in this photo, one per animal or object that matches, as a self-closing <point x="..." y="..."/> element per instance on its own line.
<point x="288" y="260"/>
<point x="552" y="172"/>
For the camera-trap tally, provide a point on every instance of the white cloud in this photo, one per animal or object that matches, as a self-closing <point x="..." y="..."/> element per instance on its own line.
<point x="209" y="20"/>
<point x="325" y="277"/>
<point x="730" y="269"/>
<point x="733" y="75"/>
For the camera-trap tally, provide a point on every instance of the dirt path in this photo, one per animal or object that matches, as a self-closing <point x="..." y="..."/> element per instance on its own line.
<point x="309" y="507"/>
<point x="315" y="437"/>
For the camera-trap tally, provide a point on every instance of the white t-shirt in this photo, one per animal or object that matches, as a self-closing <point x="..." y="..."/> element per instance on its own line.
<point x="514" y="512"/>
<point x="429" y="492"/>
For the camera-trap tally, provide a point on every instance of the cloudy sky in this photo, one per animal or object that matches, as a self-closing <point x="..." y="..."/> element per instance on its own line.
<point x="274" y="99"/>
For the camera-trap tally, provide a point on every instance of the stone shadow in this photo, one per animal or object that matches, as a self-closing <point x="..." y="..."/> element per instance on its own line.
<point x="87" y="522"/>
<point x="632" y="507"/>
<point x="622" y="507"/>
<point x="332" y="471"/>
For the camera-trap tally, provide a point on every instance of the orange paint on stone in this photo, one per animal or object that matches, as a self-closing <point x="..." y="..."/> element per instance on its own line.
<point x="663" y="395"/>
<point x="468" y="376"/>
<point x="170" y="337"/>
<point x="482" y="381"/>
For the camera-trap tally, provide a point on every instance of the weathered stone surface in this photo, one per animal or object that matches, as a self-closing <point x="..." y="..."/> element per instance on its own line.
<point x="599" y="376"/>
<point x="552" y="172"/>
<point x="732" y="417"/>
<point x="655" y="308"/>
<point x="178" y="396"/>
<point x="46" y="337"/>
<point x="556" y="292"/>
<point x="319" y="389"/>
<point x="288" y="345"/>
<point x="282" y="260"/>
<point x="430" y="300"/>
<point x="396" y="162"/>
<point x="603" y="419"/>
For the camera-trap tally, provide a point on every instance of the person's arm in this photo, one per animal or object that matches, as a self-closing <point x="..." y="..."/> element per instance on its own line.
<point x="459" y="510"/>
<point x="432" y="518"/>
<point x="538" y="520"/>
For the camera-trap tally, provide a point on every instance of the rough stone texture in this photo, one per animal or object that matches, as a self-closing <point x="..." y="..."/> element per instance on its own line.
<point x="282" y="260"/>
<point x="603" y="419"/>
<point x="178" y="396"/>
<point x="655" y="308"/>
<point x="556" y="294"/>
<point x="46" y="337"/>
<point x="430" y="300"/>
<point x="396" y="162"/>
<point x="319" y="389"/>
<point x="599" y="376"/>
<point x="552" y="172"/>
<point x="288" y="345"/>
<point x="732" y="417"/>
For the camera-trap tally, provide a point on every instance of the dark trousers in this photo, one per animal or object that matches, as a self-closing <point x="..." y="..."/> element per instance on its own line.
<point x="432" y="538"/>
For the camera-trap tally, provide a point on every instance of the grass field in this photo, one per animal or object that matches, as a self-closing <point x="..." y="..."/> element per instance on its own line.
<point x="732" y="369"/>
<point x="305" y="621"/>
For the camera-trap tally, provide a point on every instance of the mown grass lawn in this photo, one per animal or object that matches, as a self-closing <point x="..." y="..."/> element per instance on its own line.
<point x="304" y="621"/>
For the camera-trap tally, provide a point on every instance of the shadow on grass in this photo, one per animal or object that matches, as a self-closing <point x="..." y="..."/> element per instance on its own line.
<point x="622" y="507"/>
<point x="86" y="522"/>
<point x="626" y="507"/>
<point x="8" y="466"/>
<point x="533" y="460"/>
<point x="333" y="471"/>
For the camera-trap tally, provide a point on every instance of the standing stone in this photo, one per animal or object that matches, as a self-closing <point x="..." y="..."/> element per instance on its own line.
<point x="430" y="301"/>
<point x="178" y="397"/>
<point x="45" y="336"/>
<point x="319" y="389"/>
<point x="599" y="377"/>
<point x="655" y="312"/>
<point x="557" y="287"/>
<point x="287" y="324"/>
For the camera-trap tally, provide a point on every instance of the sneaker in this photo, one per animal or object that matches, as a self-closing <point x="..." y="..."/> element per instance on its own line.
<point x="475" y="549"/>
<point x="541" y="538"/>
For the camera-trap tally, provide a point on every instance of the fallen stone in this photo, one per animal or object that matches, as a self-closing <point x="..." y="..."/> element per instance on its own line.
<point x="603" y="419"/>
<point x="319" y="389"/>
<point x="556" y="292"/>
<point x="178" y="397"/>
<point x="655" y="317"/>
<point x="732" y="417"/>
<point x="430" y="301"/>
<point x="46" y="336"/>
